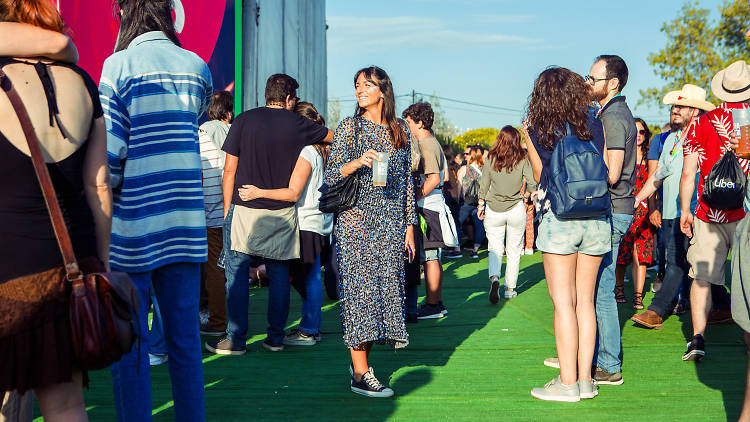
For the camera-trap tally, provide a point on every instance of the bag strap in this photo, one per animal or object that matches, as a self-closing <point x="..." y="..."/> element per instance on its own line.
<point x="42" y="174"/>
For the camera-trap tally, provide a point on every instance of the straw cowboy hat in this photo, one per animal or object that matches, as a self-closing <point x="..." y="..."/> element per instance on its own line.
<point x="733" y="83"/>
<point x="689" y="96"/>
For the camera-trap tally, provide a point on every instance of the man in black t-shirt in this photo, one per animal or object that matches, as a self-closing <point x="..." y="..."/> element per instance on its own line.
<point x="262" y="148"/>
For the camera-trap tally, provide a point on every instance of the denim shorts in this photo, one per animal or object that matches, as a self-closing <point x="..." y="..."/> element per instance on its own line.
<point x="592" y="236"/>
<point x="429" y="254"/>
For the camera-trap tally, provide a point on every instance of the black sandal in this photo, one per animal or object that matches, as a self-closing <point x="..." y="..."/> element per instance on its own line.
<point x="620" y="294"/>
<point x="638" y="301"/>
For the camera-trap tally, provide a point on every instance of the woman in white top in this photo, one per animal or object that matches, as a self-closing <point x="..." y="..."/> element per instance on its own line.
<point x="314" y="226"/>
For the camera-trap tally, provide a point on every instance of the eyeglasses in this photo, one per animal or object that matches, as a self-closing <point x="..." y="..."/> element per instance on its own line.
<point x="592" y="80"/>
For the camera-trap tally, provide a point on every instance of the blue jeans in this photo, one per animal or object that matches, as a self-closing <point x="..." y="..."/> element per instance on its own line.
<point x="236" y="269"/>
<point x="412" y="297"/>
<point x="156" y="344"/>
<point x="675" y="250"/>
<point x="607" y="353"/>
<point x="311" y="313"/>
<point x="177" y="289"/>
<point x="464" y="213"/>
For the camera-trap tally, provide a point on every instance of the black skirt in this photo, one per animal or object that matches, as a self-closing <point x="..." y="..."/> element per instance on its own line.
<point x="311" y="245"/>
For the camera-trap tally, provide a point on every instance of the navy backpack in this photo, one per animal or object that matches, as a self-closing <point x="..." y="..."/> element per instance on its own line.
<point x="578" y="179"/>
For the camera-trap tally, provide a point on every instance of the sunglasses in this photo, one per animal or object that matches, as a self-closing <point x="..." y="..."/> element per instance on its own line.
<point x="642" y="132"/>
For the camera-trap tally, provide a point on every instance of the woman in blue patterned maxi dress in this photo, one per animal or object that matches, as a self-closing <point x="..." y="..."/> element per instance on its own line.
<point x="373" y="236"/>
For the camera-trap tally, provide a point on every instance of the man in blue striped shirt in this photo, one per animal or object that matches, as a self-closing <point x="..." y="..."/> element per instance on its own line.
<point x="152" y="92"/>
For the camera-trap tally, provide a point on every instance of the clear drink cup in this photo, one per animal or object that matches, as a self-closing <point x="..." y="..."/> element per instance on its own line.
<point x="380" y="169"/>
<point x="741" y="123"/>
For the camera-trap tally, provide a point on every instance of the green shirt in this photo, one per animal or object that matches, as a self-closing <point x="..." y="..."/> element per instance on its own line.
<point x="501" y="190"/>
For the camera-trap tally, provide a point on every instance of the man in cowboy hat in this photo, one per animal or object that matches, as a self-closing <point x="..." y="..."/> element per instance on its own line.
<point x="687" y="103"/>
<point x="712" y="231"/>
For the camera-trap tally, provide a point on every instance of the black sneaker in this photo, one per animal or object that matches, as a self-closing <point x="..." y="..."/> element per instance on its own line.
<point x="298" y="337"/>
<point x="208" y="331"/>
<point x="603" y="377"/>
<point x="412" y="318"/>
<point x="452" y="254"/>
<point x="696" y="349"/>
<point x="225" y="346"/>
<point x="272" y="346"/>
<point x="494" y="289"/>
<point x="442" y="308"/>
<point x="370" y="386"/>
<point x="428" y="311"/>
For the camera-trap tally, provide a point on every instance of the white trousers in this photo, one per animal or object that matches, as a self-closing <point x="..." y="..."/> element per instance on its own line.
<point x="505" y="232"/>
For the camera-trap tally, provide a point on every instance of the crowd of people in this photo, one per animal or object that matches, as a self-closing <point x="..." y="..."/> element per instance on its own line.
<point x="190" y="211"/>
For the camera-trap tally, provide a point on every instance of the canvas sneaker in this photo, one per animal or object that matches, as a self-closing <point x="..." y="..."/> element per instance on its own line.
<point x="298" y="337"/>
<point x="696" y="349"/>
<point x="428" y="311"/>
<point x="588" y="389"/>
<point x="555" y="390"/>
<point x="510" y="294"/>
<point x="369" y="386"/>
<point x="452" y="254"/>
<point x="225" y="346"/>
<point x="272" y="346"/>
<point x="603" y="377"/>
<point x="494" y="291"/>
<point x="442" y="308"/>
<point x="552" y="362"/>
<point x="156" y="360"/>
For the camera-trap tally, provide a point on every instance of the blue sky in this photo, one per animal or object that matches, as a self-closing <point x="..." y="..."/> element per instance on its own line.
<point x="490" y="51"/>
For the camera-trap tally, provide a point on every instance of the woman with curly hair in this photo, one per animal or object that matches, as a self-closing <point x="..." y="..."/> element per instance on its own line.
<point x="572" y="248"/>
<point x="501" y="206"/>
<point x="637" y="246"/>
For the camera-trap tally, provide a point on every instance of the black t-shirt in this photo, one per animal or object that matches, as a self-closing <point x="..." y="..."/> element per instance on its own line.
<point x="545" y="155"/>
<point x="268" y="142"/>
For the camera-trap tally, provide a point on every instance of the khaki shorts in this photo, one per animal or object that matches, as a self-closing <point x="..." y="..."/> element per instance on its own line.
<point x="709" y="247"/>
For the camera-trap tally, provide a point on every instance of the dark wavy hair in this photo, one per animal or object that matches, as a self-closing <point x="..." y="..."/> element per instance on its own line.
<point x="647" y="141"/>
<point x="420" y="112"/>
<point x="506" y="152"/>
<point x="221" y="106"/>
<point x="141" y="16"/>
<point x="560" y="96"/>
<point x="377" y="76"/>
<point x="309" y="111"/>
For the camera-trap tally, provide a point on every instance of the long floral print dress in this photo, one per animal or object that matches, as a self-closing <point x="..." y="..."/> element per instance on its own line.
<point x="370" y="236"/>
<point x="641" y="231"/>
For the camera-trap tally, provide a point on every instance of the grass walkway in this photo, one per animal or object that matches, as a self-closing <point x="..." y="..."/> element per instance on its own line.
<point x="477" y="364"/>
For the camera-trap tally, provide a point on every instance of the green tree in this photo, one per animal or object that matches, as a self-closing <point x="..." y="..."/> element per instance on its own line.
<point x="485" y="137"/>
<point x="697" y="47"/>
<point x="441" y="126"/>
<point x="334" y="113"/>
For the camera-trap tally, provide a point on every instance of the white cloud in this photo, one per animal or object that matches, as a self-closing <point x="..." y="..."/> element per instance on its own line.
<point x="509" y="19"/>
<point x="408" y="31"/>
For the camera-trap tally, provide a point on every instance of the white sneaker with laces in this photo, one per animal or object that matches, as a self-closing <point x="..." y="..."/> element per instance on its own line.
<point x="156" y="360"/>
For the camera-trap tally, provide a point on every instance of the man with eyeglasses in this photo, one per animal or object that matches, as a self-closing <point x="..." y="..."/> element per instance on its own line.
<point x="607" y="78"/>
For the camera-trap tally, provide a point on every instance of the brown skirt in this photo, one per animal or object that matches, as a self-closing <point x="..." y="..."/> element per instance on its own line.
<point x="35" y="344"/>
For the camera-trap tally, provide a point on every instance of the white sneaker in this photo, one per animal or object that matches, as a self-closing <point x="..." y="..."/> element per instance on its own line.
<point x="555" y="390"/>
<point x="510" y="294"/>
<point x="552" y="362"/>
<point x="529" y="251"/>
<point x="156" y="360"/>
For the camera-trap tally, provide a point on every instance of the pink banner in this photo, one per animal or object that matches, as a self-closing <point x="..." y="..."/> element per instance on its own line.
<point x="94" y="28"/>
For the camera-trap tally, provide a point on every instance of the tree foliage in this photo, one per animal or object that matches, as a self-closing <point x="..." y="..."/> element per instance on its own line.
<point x="334" y="114"/>
<point x="485" y="137"/>
<point x="698" y="47"/>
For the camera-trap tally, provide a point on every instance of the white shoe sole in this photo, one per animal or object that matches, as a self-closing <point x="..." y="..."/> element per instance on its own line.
<point x="552" y="365"/>
<point x="567" y="399"/>
<point x="155" y="360"/>
<point x="432" y="316"/>
<point x="591" y="395"/>
<point x="694" y="355"/>
<point x="300" y="342"/>
<point x="511" y="295"/>
<point x="618" y="382"/>
<point x="224" y="351"/>
<point x="379" y="394"/>
<point x="273" y="348"/>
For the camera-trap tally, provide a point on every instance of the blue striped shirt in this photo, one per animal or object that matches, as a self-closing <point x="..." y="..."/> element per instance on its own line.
<point x="152" y="94"/>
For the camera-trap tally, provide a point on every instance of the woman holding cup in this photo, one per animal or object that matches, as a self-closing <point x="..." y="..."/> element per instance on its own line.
<point x="376" y="233"/>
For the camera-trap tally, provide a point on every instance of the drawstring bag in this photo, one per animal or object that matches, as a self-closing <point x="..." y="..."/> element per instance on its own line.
<point x="725" y="186"/>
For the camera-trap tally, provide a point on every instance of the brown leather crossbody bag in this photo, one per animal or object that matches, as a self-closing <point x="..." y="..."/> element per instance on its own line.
<point x="103" y="306"/>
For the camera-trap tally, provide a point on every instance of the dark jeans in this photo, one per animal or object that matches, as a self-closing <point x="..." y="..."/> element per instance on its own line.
<point x="675" y="251"/>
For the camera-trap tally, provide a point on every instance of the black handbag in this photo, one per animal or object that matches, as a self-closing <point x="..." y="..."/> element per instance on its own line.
<point x="343" y="194"/>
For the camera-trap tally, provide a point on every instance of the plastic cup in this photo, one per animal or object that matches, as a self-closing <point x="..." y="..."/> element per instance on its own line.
<point x="741" y="123"/>
<point x="380" y="169"/>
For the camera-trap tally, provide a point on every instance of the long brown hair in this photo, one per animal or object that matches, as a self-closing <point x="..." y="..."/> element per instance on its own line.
<point x="507" y="152"/>
<point x="476" y="156"/>
<point x="377" y="76"/>
<point x="560" y="96"/>
<point x="33" y="12"/>
<point x="308" y="110"/>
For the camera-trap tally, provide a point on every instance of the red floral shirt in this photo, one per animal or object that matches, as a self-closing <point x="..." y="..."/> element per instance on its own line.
<point x="709" y="138"/>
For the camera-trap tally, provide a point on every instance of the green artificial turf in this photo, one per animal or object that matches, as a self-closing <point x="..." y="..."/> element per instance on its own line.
<point x="477" y="364"/>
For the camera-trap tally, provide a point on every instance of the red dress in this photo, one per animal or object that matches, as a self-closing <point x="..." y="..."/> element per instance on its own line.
<point x="640" y="232"/>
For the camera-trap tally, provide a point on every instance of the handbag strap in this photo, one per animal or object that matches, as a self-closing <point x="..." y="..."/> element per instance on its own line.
<point x="42" y="174"/>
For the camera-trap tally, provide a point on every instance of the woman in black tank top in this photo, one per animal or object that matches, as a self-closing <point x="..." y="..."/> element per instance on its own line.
<point x="35" y="346"/>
